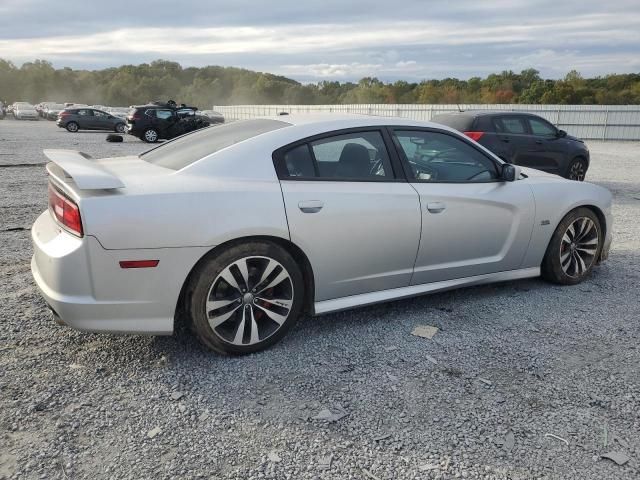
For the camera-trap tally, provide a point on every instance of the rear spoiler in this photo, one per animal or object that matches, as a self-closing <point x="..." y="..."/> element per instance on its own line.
<point x="86" y="173"/>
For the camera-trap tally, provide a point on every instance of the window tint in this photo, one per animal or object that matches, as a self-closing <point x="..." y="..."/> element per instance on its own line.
<point x="359" y="156"/>
<point x="540" y="127"/>
<point x="438" y="157"/>
<point x="98" y="113"/>
<point x="150" y="112"/>
<point x="164" y="114"/>
<point x="187" y="149"/>
<point x="299" y="163"/>
<point x="510" y="124"/>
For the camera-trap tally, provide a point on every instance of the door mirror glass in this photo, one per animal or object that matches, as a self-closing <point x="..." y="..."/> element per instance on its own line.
<point x="510" y="173"/>
<point x="561" y="134"/>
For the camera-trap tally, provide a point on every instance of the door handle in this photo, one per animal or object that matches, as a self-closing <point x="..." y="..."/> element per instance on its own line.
<point x="539" y="142"/>
<point x="505" y="140"/>
<point x="311" y="206"/>
<point x="436" y="207"/>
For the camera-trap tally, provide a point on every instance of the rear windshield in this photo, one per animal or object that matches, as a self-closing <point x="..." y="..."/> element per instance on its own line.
<point x="190" y="148"/>
<point x="460" y="122"/>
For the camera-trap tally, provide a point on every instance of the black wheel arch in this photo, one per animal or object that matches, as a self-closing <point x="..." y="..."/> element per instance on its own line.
<point x="180" y="319"/>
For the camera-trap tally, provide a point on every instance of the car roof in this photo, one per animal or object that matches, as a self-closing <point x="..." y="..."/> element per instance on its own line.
<point x="337" y="121"/>
<point x="483" y="113"/>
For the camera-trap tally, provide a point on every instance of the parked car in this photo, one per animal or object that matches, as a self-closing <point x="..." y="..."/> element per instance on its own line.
<point x="51" y="111"/>
<point x="241" y="227"/>
<point x="74" y="119"/>
<point x="212" y="115"/>
<point x="158" y="121"/>
<point x="24" y="111"/>
<point x="523" y="139"/>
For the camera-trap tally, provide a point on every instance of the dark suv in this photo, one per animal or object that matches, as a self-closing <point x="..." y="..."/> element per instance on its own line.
<point x="523" y="139"/>
<point x="74" y="119"/>
<point x="154" y="122"/>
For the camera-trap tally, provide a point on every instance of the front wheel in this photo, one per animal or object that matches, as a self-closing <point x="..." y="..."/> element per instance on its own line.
<point x="120" y="128"/>
<point x="150" y="135"/>
<point x="574" y="248"/>
<point x="577" y="169"/>
<point x="245" y="298"/>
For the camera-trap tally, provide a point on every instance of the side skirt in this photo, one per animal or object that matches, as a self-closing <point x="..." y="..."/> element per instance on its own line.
<point x="344" y="303"/>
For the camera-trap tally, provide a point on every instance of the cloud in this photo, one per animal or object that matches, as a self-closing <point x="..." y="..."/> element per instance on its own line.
<point x="343" y="40"/>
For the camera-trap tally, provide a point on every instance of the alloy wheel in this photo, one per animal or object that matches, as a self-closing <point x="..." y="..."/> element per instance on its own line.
<point x="577" y="171"/>
<point x="578" y="247"/>
<point x="72" y="127"/>
<point x="249" y="300"/>
<point x="151" y="136"/>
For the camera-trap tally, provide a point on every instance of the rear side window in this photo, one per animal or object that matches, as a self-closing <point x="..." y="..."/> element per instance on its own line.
<point x="187" y="149"/>
<point x="509" y="124"/>
<point x="85" y="112"/>
<point x="360" y="156"/>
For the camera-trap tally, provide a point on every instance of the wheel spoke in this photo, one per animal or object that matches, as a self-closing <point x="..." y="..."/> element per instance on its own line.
<point x="244" y="271"/>
<point x="216" y="304"/>
<point x="267" y="270"/>
<point x="218" y="320"/>
<point x="230" y="279"/>
<point x="580" y="264"/>
<point x="282" y="276"/>
<point x="588" y="251"/>
<point x="240" y="331"/>
<point x="276" y="317"/>
<point x="255" y="337"/>
<point x="564" y="257"/>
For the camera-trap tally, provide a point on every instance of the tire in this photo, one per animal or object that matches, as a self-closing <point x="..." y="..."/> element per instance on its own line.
<point x="574" y="248"/>
<point x="112" y="137"/>
<point x="577" y="169"/>
<point x="72" y="127"/>
<point x="120" y="128"/>
<point x="219" y="326"/>
<point x="150" y="135"/>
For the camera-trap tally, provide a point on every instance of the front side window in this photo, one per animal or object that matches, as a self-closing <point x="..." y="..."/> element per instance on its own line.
<point x="100" y="114"/>
<point x="439" y="157"/>
<point x="541" y="128"/>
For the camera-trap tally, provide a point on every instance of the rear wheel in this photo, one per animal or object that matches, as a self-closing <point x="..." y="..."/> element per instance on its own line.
<point x="574" y="248"/>
<point x="72" y="127"/>
<point x="246" y="298"/>
<point x="577" y="169"/>
<point x="150" y="135"/>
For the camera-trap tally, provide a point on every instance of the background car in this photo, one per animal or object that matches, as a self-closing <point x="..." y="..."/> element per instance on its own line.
<point x="120" y="112"/>
<point x="24" y="111"/>
<point x="74" y="119"/>
<point x="523" y="139"/>
<point x="212" y="115"/>
<point x="51" y="111"/>
<point x="241" y="227"/>
<point x="158" y="121"/>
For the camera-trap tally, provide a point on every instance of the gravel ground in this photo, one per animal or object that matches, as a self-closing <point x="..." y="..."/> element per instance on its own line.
<point x="511" y="365"/>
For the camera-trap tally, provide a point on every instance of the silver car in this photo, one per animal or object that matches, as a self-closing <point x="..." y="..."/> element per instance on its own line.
<point x="239" y="229"/>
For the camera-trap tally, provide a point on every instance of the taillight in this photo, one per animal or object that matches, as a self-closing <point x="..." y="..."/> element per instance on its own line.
<point x="65" y="211"/>
<point x="63" y="114"/>
<point x="474" y="135"/>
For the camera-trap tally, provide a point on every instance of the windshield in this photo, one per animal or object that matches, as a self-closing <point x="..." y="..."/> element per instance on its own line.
<point x="190" y="148"/>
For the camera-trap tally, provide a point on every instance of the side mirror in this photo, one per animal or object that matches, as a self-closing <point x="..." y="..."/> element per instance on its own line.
<point x="510" y="173"/>
<point x="561" y="134"/>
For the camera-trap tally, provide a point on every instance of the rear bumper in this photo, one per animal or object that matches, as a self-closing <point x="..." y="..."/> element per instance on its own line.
<point x="86" y="288"/>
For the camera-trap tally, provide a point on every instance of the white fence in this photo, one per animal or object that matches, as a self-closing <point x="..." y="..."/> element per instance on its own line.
<point x="594" y="122"/>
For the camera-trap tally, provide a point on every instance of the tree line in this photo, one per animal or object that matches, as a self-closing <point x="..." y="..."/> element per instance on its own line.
<point x="126" y="85"/>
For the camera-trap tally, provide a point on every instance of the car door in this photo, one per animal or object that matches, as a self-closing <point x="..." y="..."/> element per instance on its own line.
<point x="547" y="148"/>
<point x="165" y="122"/>
<point x="102" y="120"/>
<point x="85" y="118"/>
<point x="350" y="211"/>
<point x="511" y="131"/>
<point x="473" y="223"/>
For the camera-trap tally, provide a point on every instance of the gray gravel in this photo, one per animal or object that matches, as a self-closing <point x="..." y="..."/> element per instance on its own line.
<point x="523" y="380"/>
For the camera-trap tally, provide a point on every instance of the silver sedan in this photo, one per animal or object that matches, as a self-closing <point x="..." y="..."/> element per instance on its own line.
<point x="239" y="229"/>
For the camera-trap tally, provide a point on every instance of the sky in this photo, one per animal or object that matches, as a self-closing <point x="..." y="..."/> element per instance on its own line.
<point x="331" y="39"/>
